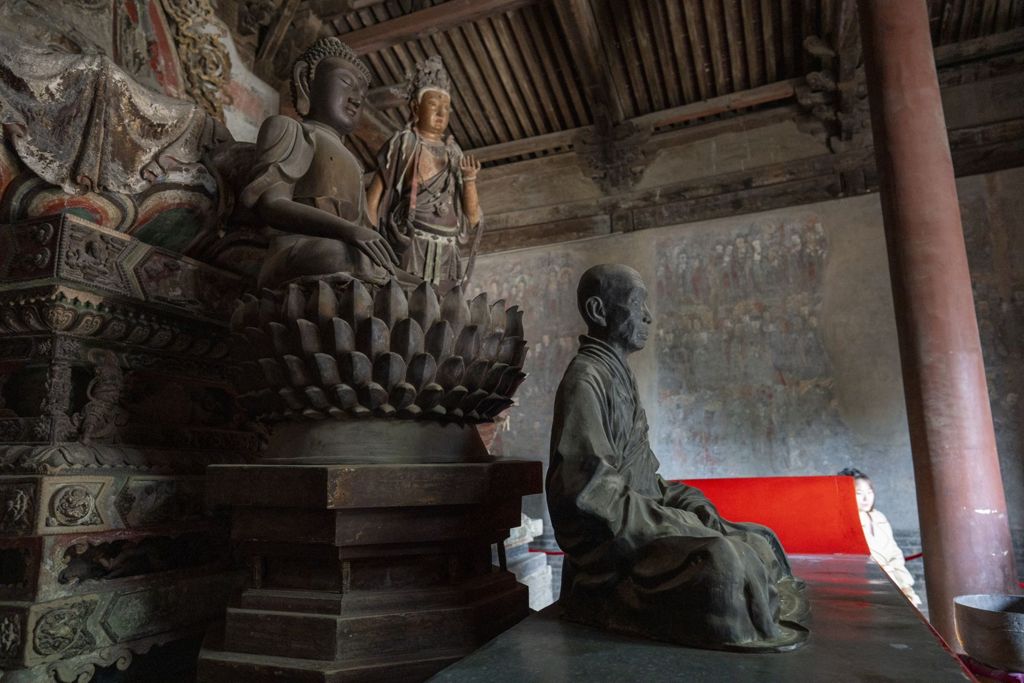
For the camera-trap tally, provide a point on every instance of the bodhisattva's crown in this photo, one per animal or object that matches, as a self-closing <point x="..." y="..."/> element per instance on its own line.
<point x="429" y="75"/>
<point x="323" y="49"/>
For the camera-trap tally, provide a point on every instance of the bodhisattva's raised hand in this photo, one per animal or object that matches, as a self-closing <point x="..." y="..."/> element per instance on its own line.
<point x="470" y="167"/>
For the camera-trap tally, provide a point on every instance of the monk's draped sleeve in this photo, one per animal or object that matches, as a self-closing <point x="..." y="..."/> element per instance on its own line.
<point x="284" y="154"/>
<point x="682" y="496"/>
<point x="588" y="494"/>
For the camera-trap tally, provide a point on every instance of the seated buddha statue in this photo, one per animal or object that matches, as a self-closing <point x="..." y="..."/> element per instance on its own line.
<point x="307" y="187"/>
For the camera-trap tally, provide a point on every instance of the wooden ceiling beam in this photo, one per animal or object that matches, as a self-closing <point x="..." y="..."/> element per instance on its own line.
<point x="336" y="8"/>
<point x="980" y="48"/>
<point x="389" y="96"/>
<point x="586" y="47"/>
<point x="663" y="41"/>
<point x="699" y="48"/>
<point x="426" y="22"/>
<point x="681" y="48"/>
<point x="275" y="36"/>
<point x="534" y="145"/>
<point x="847" y="42"/>
<point x="373" y="128"/>
<point x="528" y="27"/>
<point x="773" y="92"/>
<point x="717" y="47"/>
<point x="734" y="38"/>
<point x="771" y="57"/>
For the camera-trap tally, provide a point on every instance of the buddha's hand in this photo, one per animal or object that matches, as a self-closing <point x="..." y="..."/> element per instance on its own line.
<point x="373" y="244"/>
<point x="470" y="167"/>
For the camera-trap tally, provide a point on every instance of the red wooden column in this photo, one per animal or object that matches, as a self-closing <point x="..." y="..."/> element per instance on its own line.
<point x="962" y="509"/>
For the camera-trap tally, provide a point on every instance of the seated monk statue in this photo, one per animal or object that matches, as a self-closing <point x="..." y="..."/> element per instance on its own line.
<point x="643" y="556"/>
<point x="423" y="197"/>
<point x="308" y="187"/>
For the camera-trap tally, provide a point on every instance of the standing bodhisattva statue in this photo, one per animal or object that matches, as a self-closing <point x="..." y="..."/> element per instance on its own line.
<point x="424" y="198"/>
<point x="308" y="187"/>
<point x="643" y="556"/>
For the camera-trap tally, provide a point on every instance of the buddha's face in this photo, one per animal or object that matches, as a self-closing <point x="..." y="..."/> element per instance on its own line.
<point x="865" y="494"/>
<point x="628" y="317"/>
<point x="432" y="113"/>
<point x="336" y="95"/>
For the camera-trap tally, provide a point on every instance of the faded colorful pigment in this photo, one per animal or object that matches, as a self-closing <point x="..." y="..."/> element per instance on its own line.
<point x="741" y="363"/>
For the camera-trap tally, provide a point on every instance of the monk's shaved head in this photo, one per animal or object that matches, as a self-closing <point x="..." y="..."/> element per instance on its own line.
<point x="613" y="302"/>
<point x="609" y="282"/>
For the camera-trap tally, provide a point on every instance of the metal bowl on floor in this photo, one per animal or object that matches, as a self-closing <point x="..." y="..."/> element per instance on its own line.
<point x="991" y="629"/>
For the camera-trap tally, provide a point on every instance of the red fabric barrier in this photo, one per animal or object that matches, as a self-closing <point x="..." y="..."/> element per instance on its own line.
<point x="813" y="515"/>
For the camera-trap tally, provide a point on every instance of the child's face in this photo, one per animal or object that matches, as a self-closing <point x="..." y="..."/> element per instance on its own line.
<point x="865" y="494"/>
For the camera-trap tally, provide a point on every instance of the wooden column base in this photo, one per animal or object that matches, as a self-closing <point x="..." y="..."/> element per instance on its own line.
<point x="368" y="572"/>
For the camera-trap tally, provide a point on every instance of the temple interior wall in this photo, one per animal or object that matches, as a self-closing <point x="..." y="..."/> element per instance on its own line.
<point x="774" y="350"/>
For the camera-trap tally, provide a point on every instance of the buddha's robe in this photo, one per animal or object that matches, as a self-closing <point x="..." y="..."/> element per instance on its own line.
<point x="423" y="218"/>
<point x="644" y="556"/>
<point x="310" y="160"/>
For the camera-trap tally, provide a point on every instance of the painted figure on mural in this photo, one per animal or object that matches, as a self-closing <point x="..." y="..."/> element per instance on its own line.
<point x="424" y="196"/>
<point x="645" y="556"/>
<point x="308" y="187"/>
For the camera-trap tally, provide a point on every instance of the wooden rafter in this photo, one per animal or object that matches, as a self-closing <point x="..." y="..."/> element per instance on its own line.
<point x="373" y="128"/>
<point x="333" y="8"/>
<point x="585" y="45"/>
<point x="980" y="48"/>
<point x="426" y="22"/>
<point x="389" y="96"/>
<point x="773" y="92"/>
<point x="276" y="34"/>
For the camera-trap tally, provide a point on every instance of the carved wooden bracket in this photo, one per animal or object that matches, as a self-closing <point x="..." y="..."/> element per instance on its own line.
<point x="614" y="159"/>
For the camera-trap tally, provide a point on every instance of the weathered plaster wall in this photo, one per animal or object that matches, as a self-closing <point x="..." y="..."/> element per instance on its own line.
<point x="775" y="346"/>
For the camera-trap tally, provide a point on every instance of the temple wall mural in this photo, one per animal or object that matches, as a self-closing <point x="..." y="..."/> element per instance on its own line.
<point x="774" y="349"/>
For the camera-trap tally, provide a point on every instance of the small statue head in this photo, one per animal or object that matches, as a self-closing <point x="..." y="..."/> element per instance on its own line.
<point x="613" y="302"/>
<point x="430" y="98"/>
<point x="329" y="82"/>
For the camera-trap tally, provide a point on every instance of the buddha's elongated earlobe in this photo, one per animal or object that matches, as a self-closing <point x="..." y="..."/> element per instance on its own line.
<point x="300" y="77"/>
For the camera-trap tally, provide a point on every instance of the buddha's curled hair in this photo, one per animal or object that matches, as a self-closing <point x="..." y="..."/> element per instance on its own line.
<point x="321" y="50"/>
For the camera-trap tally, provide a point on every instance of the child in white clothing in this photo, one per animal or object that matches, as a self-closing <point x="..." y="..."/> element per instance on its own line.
<point x="878" y="533"/>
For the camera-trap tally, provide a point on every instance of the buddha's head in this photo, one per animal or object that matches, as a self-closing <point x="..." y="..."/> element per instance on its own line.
<point x="430" y="98"/>
<point x="612" y="299"/>
<point x="329" y="85"/>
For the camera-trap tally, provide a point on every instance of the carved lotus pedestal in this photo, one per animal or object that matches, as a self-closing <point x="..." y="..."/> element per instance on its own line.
<point x="373" y="567"/>
<point x="114" y="397"/>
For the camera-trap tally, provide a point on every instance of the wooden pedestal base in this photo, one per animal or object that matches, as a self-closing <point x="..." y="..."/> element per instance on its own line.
<point x="366" y="572"/>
